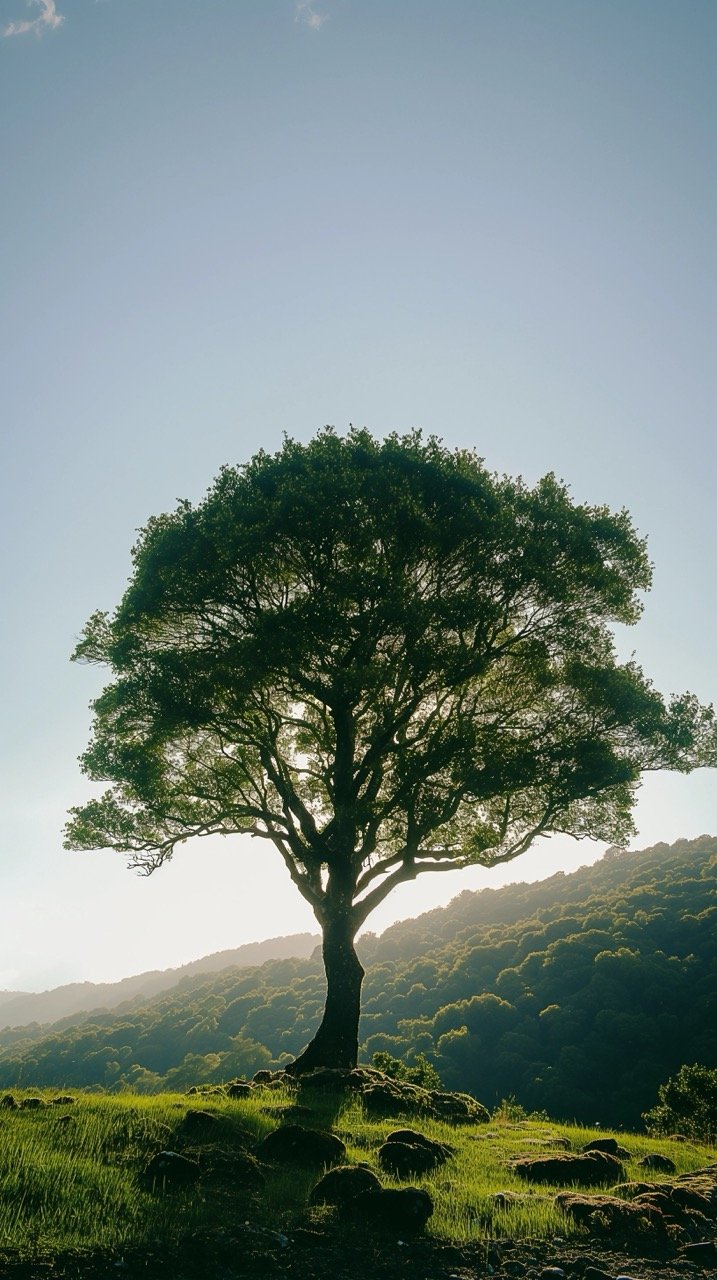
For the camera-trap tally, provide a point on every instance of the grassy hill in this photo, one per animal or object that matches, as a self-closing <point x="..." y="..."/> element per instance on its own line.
<point x="77" y="1200"/>
<point x="577" y="995"/>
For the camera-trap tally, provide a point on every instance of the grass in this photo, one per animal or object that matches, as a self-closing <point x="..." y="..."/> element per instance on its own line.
<point x="71" y="1176"/>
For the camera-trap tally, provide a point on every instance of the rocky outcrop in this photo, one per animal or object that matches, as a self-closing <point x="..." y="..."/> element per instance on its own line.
<point x="384" y="1096"/>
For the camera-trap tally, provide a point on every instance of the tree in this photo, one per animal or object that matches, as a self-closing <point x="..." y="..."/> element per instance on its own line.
<point x="384" y="660"/>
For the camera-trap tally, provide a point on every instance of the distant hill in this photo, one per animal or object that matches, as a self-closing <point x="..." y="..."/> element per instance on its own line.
<point x="19" y="1008"/>
<point x="577" y="995"/>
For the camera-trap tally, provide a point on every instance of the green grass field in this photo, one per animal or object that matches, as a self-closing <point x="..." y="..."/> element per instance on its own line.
<point x="71" y="1176"/>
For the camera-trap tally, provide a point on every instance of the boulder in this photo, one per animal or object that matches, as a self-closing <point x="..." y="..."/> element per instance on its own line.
<point x="458" y="1108"/>
<point x="169" y="1168"/>
<point x="294" y="1111"/>
<point x="265" y="1077"/>
<point x="403" y="1212"/>
<point x="391" y="1097"/>
<point x="406" y="1152"/>
<point x="239" y="1089"/>
<point x="660" y="1164"/>
<point x="687" y="1198"/>
<point x="610" y="1145"/>
<point x="609" y="1215"/>
<point x="8" y="1103"/>
<point x="591" y="1169"/>
<point x="404" y="1160"/>
<point x="197" y="1124"/>
<point x="296" y="1145"/>
<point x="342" y="1185"/>
<point x="64" y="1100"/>
<point x="336" y="1078"/>
<point x="31" y="1104"/>
<point x="420" y="1140"/>
<point x="236" y="1169"/>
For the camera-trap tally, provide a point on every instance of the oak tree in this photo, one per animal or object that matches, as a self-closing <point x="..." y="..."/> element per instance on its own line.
<point x="385" y="661"/>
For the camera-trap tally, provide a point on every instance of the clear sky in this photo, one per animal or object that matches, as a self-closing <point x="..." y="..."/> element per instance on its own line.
<point x="226" y="219"/>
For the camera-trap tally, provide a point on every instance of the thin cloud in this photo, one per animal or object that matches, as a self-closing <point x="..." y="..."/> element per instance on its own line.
<point x="46" y="20"/>
<point x="306" y="12"/>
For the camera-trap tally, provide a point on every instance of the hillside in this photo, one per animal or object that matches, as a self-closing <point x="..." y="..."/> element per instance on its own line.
<point x="18" y="1008"/>
<point x="577" y="995"/>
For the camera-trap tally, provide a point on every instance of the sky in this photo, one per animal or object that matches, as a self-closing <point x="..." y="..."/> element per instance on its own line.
<point x="223" y="220"/>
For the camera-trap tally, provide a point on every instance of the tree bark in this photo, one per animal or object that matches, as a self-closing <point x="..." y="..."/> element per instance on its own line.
<point x="336" y="1041"/>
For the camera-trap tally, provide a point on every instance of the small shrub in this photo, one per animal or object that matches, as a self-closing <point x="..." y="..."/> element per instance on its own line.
<point x="687" y="1103"/>
<point x="421" y="1072"/>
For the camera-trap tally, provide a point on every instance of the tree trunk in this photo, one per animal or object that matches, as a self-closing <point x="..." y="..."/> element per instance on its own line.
<point x="336" y="1041"/>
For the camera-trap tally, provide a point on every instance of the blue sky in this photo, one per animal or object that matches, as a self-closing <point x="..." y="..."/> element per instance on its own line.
<point x="226" y="219"/>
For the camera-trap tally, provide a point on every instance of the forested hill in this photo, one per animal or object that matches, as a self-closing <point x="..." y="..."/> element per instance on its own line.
<point x="577" y="995"/>
<point x="18" y="1008"/>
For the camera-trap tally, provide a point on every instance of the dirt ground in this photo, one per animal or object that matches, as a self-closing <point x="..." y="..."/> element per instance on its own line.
<point x="327" y="1254"/>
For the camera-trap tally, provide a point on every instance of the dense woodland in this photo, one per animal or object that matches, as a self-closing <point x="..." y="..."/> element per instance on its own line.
<point x="578" y="995"/>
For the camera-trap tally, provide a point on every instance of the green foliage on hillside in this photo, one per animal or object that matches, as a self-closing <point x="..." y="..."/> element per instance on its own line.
<point x="578" y="995"/>
<point x="687" y="1104"/>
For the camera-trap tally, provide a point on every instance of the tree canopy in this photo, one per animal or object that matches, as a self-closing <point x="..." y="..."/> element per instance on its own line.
<point x="385" y="660"/>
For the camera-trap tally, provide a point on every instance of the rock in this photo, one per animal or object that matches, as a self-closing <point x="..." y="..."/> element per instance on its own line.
<point x="297" y="1145"/>
<point x="262" y="1077"/>
<point x="458" y="1108"/>
<point x="405" y="1211"/>
<point x="169" y="1168"/>
<point x="609" y="1215"/>
<point x="31" y="1104"/>
<point x="236" y="1169"/>
<point x="404" y="1159"/>
<point x="552" y="1273"/>
<point x="383" y="1096"/>
<point x="596" y="1273"/>
<point x="655" y="1202"/>
<point x="292" y="1112"/>
<point x="610" y="1145"/>
<point x="406" y="1152"/>
<point x="687" y="1198"/>
<point x="64" y="1100"/>
<point x="591" y="1169"/>
<point x="389" y="1098"/>
<point x="199" y="1123"/>
<point x="342" y="1185"/>
<point x="335" y="1078"/>
<point x="239" y="1089"/>
<point x="66" y="1120"/>
<point x="661" y="1164"/>
<point x="419" y="1140"/>
<point x="8" y="1103"/>
<point x="506" y="1199"/>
